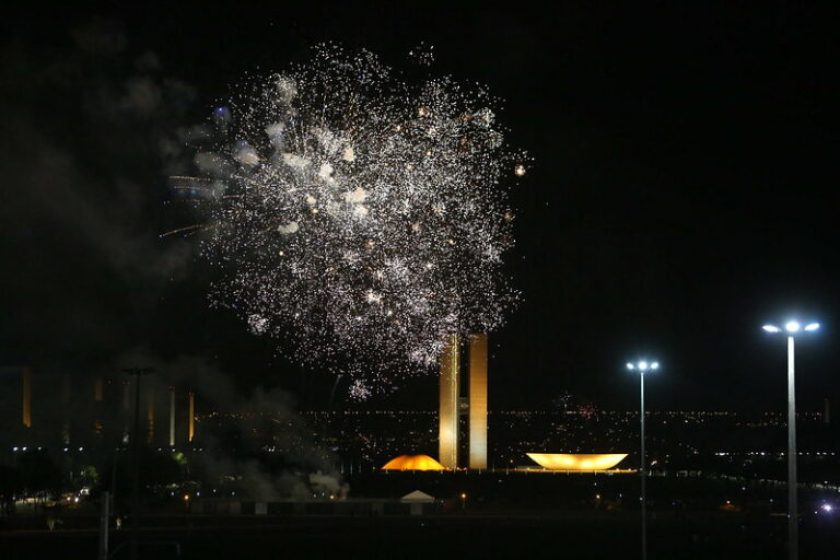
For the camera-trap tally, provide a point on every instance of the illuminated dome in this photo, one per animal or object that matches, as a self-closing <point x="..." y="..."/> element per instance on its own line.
<point x="572" y="462"/>
<point x="413" y="463"/>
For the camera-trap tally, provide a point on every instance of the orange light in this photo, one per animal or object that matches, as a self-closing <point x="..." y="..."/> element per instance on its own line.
<point x="412" y="463"/>
<point x="191" y="417"/>
<point x="26" y="381"/>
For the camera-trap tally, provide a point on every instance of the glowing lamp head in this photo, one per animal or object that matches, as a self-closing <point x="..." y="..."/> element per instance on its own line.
<point x="792" y="326"/>
<point x="771" y="328"/>
<point x="642" y="366"/>
<point x="811" y="327"/>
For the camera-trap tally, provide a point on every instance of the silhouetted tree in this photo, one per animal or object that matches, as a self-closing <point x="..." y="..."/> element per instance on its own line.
<point x="10" y="486"/>
<point x="39" y="474"/>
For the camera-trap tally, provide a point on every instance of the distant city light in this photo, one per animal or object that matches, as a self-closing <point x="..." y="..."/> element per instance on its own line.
<point x="811" y="327"/>
<point x="630" y="366"/>
<point x="827" y="508"/>
<point x="654" y="365"/>
<point x="771" y="328"/>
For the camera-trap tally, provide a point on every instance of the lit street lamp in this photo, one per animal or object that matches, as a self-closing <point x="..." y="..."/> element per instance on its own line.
<point x="793" y="329"/>
<point x="643" y="366"/>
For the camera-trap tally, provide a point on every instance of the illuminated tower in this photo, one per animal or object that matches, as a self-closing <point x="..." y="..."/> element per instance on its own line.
<point x="98" y="390"/>
<point x="65" y="407"/>
<point x="448" y="416"/>
<point x="478" y="401"/>
<point x="150" y="415"/>
<point x="172" y="417"/>
<point x="826" y="412"/>
<point x="126" y="408"/>
<point x="191" y="419"/>
<point x="26" y="381"/>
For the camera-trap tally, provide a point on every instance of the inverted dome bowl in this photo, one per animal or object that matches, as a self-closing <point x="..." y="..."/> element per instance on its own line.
<point x="577" y="462"/>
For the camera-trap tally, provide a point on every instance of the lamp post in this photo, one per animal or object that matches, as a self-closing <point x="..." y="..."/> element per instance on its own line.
<point x="643" y="366"/>
<point x="792" y="328"/>
<point x="135" y="447"/>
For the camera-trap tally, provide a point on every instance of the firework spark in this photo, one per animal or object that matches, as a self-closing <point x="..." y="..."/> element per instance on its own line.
<point x="359" y="217"/>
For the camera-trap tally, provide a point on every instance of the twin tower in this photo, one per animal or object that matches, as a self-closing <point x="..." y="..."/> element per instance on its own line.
<point x="450" y="402"/>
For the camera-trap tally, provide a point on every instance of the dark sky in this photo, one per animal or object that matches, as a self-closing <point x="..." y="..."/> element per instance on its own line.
<point x="683" y="193"/>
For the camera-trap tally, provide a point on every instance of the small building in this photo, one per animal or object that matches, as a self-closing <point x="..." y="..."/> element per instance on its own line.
<point x="417" y="501"/>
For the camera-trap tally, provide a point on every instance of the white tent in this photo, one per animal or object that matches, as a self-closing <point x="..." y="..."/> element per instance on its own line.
<point x="417" y="497"/>
<point x="415" y="500"/>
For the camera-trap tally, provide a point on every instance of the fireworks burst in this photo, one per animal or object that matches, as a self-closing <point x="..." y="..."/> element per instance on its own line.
<point x="358" y="217"/>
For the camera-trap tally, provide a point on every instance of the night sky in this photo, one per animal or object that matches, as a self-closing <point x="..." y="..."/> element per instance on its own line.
<point x="683" y="192"/>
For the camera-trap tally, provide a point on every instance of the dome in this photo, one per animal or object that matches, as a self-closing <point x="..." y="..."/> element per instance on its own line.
<point x="413" y="463"/>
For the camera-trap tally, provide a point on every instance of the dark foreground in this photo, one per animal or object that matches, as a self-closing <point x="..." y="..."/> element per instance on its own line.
<point x="460" y="535"/>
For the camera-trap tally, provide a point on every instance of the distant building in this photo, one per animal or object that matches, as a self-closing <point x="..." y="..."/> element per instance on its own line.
<point x="577" y="462"/>
<point x="412" y="463"/>
<point x="449" y="411"/>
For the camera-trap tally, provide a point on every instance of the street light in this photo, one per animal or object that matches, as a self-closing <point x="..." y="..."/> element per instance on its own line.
<point x="135" y="446"/>
<point x="792" y="328"/>
<point x="643" y="366"/>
